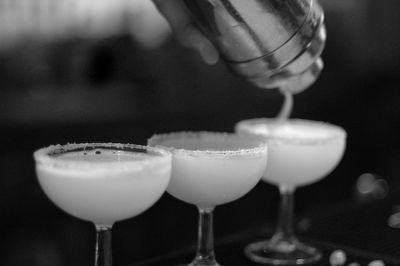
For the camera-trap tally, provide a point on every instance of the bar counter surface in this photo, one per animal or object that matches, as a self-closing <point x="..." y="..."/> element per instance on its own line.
<point x="360" y="230"/>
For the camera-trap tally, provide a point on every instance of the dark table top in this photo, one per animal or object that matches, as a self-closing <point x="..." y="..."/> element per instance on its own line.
<point x="359" y="229"/>
<point x="229" y="252"/>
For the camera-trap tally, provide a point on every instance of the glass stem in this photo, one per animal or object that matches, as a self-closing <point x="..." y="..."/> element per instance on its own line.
<point x="103" y="255"/>
<point x="205" y="244"/>
<point x="286" y="210"/>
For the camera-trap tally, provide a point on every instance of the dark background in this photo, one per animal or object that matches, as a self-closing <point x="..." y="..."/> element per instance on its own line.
<point x="113" y="88"/>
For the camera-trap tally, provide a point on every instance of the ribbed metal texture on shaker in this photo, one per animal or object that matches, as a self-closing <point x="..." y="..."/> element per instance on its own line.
<point x="272" y="43"/>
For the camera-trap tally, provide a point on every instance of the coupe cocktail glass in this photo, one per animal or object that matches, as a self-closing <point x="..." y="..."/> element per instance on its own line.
<point x="209" y="169"/>
<point x="301" y="152"/>
<point x="103" y="183"/>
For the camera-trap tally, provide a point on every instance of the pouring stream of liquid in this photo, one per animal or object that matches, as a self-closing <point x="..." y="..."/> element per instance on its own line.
<point x="287" y="106"/>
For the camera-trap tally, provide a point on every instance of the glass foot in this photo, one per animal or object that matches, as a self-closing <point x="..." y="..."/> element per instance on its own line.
<point x="200" y="264"/>
<point x="191" y="264"/>
<point x="199" y="261"/>
<point x="282" y="252"/>
<point x="204" y="263"/>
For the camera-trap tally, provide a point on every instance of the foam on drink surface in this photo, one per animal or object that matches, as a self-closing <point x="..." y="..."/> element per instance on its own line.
<point x="212" y="143"/>
<point x="296" y="130"/>
<point x="87" y="160"/>
<point x="102" y="156"/>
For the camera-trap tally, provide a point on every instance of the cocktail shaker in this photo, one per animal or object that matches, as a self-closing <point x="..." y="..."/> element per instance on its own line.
<point x="272" y="43"/>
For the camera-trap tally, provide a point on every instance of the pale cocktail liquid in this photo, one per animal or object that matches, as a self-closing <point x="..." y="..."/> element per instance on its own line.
<point x="103" y="185"/>
<point x="210" y="169"/>
<point x="300" y="151"/>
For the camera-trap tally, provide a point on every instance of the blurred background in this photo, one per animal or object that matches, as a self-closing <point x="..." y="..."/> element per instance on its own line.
<point x="111" y="71"/>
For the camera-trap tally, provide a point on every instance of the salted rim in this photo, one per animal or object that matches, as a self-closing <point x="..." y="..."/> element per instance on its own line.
<point x="337" y="131"/>
<point x="260" y="145"/>
<point x="44" y="156"/>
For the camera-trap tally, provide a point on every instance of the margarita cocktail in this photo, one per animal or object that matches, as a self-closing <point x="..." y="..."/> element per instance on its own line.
<point x="103" y="183"/>
<point x="301" y="152"/>
<point x="209" y="169"/>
